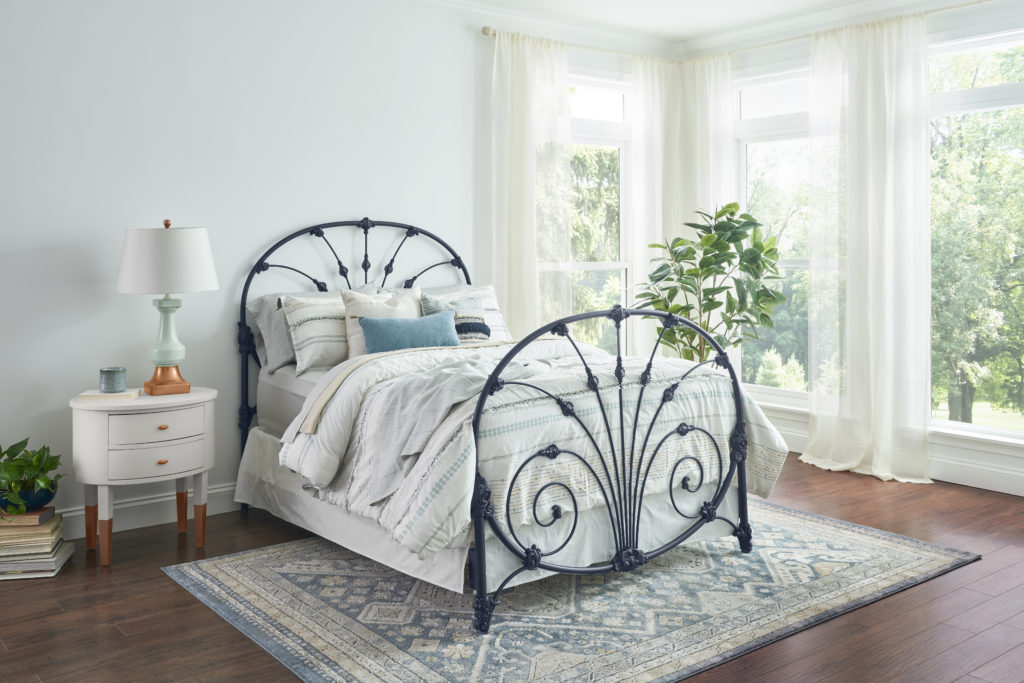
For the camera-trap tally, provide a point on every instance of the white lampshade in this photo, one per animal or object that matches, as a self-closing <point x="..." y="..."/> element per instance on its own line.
<point x="166" y="261"/>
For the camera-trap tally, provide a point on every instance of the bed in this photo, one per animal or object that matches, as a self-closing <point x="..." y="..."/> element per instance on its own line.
<point x="487" y="459"/>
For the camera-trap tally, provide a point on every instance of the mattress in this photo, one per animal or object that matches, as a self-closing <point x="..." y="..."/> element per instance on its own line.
<point x="280" y="395"/>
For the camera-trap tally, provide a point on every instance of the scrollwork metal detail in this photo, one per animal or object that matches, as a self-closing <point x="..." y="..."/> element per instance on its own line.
<point x="482" y="506"/>
<point x="550" y="452"/>
<point x="618" y="314"/>
<point x="738" y="444"/>
<point x="628" y="559"/>
<point x="246" y="340"/>
<point x="533" y="557"/>
<point x="568" y="409"/>
<point x="618" y="459"/>
<point x="708" y="511"/>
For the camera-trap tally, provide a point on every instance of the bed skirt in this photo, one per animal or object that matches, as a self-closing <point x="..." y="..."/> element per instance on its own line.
<point x="265" y="484"/>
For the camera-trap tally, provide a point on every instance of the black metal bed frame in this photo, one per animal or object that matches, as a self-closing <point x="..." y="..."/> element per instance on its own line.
<point x="624" y="481"/>
<point x="624" y="477"/>
<point x="246" y="340"/>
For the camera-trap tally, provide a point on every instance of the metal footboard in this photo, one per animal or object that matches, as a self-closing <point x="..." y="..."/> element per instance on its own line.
<point x="618" y="458"/>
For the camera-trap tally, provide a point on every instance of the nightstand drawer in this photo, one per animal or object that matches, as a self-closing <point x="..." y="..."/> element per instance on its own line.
<point x="155" y="427"/>
<point x="140" y="463"/>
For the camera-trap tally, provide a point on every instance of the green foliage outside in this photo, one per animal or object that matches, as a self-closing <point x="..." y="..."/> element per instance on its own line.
<point x="977" y="250"/>
<point x="772" y="372"/>
<point x="977" y="218"/>
<point x="778" y="191"/>
<point x="22" y="469"/>
<point x="594" y="237"/>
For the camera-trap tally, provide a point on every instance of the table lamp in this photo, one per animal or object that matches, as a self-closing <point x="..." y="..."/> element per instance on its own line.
<point x="165" y="261"/>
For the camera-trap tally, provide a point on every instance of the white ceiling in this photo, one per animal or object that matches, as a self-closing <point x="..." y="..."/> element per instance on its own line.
<point x="693" y="20"/>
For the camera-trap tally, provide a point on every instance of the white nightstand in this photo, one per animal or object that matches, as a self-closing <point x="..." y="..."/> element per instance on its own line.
<point x="137" y="441"/>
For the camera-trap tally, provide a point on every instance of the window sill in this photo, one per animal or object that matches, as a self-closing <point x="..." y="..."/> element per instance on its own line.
<point x="941" y="431"/>
<point x="986" y="460"/>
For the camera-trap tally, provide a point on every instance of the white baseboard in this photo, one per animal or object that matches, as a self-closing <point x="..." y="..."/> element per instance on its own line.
<point x="791" y="423"/>
<point x="984" y="462"/>
<point x="976" y="474"/>
<point x="144" y="511"/>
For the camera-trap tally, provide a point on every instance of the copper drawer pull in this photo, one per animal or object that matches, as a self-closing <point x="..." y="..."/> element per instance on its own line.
<point x="163" y="427"/>
<point x="162" y="462"/>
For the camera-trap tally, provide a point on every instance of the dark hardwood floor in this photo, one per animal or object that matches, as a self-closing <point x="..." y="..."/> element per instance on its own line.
<point x="129" y="622"/>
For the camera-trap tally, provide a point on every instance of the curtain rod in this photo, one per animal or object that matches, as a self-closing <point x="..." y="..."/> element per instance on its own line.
<point x="491" y="32"/>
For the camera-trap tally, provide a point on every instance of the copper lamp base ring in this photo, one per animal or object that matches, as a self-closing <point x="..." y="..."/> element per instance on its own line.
<point x="166" y="380"/>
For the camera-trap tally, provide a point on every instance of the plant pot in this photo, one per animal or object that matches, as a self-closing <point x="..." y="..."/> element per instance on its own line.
<point x="33" y="499"/>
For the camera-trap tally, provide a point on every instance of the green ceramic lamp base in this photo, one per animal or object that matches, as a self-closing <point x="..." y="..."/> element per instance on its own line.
<point x="166" y="353"/>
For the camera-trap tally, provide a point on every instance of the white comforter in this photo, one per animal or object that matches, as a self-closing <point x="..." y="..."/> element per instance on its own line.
<point x="389" y="437"/>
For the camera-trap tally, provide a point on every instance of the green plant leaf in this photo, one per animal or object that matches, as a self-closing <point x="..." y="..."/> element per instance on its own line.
<point x="15" y="449"/>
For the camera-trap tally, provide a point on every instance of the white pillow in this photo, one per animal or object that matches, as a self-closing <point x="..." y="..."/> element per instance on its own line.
<point x="271" y="336"/>
<point x="404" y="303"/>
<point x="492" y="314"/>
<point x="317" y="329"/>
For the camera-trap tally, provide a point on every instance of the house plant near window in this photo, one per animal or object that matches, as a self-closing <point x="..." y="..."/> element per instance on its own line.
<point x="25" y="479"/>
<point x="722" y="280"/>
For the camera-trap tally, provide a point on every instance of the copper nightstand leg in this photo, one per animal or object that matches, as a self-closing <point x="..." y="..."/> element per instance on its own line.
<point x="181" y="498"/>
<point x="199" y="483"/>
<point x="106" y="541"/>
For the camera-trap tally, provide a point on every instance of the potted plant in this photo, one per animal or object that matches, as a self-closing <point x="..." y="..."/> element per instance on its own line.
<point x="25" y="481"/>
<point x="720" y="280"/>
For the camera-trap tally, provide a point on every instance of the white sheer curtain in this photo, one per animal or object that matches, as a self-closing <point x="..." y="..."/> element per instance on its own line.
<point x="870" y="257"/>
<point x="530" y="173"/>
<point x="683" y="151"/>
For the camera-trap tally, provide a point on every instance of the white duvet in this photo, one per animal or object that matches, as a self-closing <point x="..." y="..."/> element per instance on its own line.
<point x="389" y="437"/>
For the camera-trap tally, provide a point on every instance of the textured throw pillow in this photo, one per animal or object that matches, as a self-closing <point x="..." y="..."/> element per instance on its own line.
<point x="391" y="334"/>
<point x="469" y="316"/>
<point x="485" y="293"/>
<point x="271" y="336"/>
<point x="317" y="330"/>
<point x="400" y="304"/>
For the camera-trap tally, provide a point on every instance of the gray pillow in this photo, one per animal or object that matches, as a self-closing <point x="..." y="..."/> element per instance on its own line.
<point x="470" y="321"/>
<point x="492" y="315"/>
<point x="271" y="336"/>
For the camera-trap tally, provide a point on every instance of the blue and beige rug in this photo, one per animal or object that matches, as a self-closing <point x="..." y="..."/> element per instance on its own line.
<point x="328" y="614"/>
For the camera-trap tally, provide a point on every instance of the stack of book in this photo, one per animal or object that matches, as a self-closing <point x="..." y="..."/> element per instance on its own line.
<point x="32" y="545"/>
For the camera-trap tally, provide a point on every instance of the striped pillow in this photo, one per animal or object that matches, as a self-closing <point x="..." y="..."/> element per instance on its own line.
<point x="470" y="324"/>
<point x="487" y="296"/>
<point x="317" y="329"/>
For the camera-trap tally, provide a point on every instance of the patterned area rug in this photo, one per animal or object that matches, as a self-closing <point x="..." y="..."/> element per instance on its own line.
<point x="328" y="614"/>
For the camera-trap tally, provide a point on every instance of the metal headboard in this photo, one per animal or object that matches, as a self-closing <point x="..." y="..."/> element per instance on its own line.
<point x="246" y="341"/>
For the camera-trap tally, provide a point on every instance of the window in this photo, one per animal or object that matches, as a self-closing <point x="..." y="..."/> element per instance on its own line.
<point x="775" y="177"/>
<point x="595" y="276"/>
<point x="977" y="219"/>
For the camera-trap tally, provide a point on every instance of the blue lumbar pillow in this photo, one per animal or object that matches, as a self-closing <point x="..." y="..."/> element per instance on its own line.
<point x="391" y="334"/>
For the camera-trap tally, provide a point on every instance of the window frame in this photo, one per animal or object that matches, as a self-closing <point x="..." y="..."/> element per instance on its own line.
<point x="972" y="101"/>
<point x="964" y="456"/>
<point x="780" y="127"/>
<point x="606" y="134"/>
